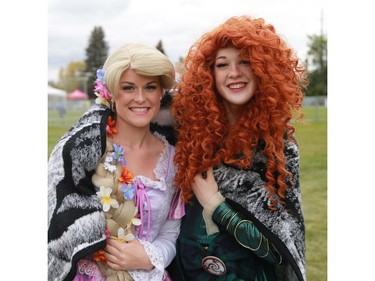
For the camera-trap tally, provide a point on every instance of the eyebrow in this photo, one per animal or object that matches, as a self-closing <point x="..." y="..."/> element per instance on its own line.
<point x="221" y="57"/>
<point x="131" y="83"/>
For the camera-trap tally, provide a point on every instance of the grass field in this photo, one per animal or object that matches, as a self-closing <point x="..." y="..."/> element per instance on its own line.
<point x="312" y="140"/>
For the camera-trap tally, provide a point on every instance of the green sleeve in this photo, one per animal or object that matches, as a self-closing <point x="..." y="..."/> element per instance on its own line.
<point x="245" y="232"/>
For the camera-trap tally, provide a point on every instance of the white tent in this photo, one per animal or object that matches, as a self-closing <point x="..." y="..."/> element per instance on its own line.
<point x="56" y="92"/>
<point x="56" y="97"/>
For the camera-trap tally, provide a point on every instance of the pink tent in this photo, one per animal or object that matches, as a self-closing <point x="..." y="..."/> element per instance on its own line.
<point x="77" y="95"/>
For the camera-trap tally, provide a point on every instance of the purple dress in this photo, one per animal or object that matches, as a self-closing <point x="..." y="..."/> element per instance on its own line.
<point x="166" y="210"/>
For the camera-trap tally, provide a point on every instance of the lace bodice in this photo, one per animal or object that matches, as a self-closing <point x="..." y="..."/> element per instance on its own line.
<point x="160" y="244"/>
<point x="160" y="192"/>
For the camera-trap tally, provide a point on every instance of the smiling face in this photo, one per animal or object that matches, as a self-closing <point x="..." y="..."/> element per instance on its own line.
<point x="138" y="98"/>
<point x="234" y="79"/>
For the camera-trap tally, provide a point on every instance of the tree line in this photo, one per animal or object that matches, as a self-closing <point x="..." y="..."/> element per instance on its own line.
<point x="82" y="74"/>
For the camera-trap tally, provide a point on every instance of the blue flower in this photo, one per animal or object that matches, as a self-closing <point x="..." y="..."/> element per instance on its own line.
<point x="118" y="154"/>
<point x="100" y="74"/>
<point x="128" y="191"/>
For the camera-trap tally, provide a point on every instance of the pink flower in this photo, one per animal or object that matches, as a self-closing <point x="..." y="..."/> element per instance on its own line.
<point x="102" y="90"/>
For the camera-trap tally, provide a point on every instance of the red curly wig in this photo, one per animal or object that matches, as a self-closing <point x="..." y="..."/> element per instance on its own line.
<point x="205" y="137"/>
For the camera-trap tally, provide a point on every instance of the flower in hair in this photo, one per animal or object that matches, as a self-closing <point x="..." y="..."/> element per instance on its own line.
<point x="99" y="256"/>
<point x="126" y="176"/>
<point x="101" y="90"/>
<point x="108" y="164"/>
<point x="100" y="74"/>
<point x="104" y="195"/>
<point x="121" y="231"/>
<point x="118" y="154"/>
<point x="111" y="127"/>
<point x="134" y="221"/>
<point x="128" y="190"/>
<point x="122" y="237"/>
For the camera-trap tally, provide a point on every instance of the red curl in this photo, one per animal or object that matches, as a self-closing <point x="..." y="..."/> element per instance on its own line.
<point x="205" y="137"/>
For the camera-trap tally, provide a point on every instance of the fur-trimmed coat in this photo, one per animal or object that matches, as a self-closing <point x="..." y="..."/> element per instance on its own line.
<point x="284" y="228"/>
<point x="76" y="222"/>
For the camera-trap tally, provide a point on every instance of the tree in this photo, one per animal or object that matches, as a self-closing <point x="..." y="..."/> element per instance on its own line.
<point x="72" y="77"/>
<point x="96" y="54"/>
<point x="317" y="65"/>
<point x="179" y="66"/>
<point x="160" y="47"/>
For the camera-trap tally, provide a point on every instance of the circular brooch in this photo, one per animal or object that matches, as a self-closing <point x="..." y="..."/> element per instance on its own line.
<point x="214" y="265"/>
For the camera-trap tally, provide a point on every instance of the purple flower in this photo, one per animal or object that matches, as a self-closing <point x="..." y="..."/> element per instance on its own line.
<point x="102" y="89"/>
<point x="118" y="154"/>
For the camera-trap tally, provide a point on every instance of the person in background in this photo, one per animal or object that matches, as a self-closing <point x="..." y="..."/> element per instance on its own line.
<point x="60" y="107"/>
<point x="113" y="211"/>
<point x="237" y="156"/>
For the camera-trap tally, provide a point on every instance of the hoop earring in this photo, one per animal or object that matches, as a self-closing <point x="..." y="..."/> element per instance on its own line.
<point x="113" y="106"/>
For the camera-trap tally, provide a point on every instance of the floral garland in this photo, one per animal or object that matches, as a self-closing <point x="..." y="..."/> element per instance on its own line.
<point x="111" y="161"/>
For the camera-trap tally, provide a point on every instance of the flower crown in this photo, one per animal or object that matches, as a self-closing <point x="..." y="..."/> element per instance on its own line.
<point x="101" y="90"/>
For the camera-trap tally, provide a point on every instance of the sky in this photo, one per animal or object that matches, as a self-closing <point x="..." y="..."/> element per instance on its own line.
<point x="178" y="23"/>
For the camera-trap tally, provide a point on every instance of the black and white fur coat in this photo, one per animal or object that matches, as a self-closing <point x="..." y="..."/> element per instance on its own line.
<point x="285" y="228"/>
<point x="76" y="222"/>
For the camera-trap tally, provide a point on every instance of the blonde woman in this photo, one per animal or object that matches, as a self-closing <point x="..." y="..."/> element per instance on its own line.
<point x="110" y="178"/>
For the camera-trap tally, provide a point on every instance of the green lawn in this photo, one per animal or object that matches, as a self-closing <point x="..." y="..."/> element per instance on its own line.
<point x="57" y="126"/>
<point x="312" y="140"/>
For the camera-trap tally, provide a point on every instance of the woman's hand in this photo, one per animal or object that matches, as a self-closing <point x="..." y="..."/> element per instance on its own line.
<point x="125" y="256"/>
<point x="204" y="188"/>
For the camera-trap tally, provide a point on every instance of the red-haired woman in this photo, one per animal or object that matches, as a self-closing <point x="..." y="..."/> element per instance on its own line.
<point x="237" y="158"/>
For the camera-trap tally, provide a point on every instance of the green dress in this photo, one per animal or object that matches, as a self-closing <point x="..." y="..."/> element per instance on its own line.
<point x="218" y="256"/>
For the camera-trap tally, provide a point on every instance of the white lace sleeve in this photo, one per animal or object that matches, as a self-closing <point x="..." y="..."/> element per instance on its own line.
<point x="156" y="259"/>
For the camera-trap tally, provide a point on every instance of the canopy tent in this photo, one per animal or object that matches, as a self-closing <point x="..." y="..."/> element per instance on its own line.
<point x="56" y="97"/>
<point x="56" y="92"/>
<point x="77" y="95"/>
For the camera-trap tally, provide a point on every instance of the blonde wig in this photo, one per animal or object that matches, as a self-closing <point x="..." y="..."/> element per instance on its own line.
<point x="143" y="59"/>
<point x="116" y="217"/>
